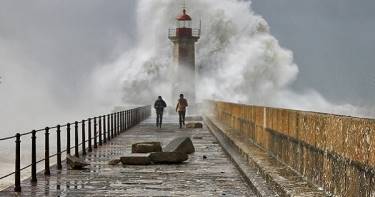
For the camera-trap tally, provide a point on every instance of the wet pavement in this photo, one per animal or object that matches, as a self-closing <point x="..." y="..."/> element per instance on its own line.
<point x="214" y="175"/>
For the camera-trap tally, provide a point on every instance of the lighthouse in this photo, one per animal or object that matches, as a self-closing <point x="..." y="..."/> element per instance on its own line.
<point x="184" y="37"/>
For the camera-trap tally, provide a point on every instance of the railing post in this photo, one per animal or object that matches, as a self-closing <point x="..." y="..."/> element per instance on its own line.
<point x="104" y="131"/>
<point x="76" y="139"/>
<point x="130" y="117"/>
<point x="58" y="154"/>
<point x="133" y="117"/>
<point x="83" y="137"/>
<point x="109" y="126"/>
<point x="100" y="131"/>
<point x="89" y="135"/>
<point x="46" y="153"/>
<point x="68" y="138"/>
<point x="95" y="134"/>
<point x="33" y="157"/>
<point x="17" y="175"/>
<point x="127" y="119"/>
<point x="119" y="122"/>
<point x="123" y="121"/>
<point x="112" y="125"/>
<point x="136" y="115"/>
<point x="115" y="124"/>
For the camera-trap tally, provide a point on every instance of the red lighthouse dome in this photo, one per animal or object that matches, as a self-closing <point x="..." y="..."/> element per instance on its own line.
<point x="183" y="16"/>
<point x="183" y="28"/>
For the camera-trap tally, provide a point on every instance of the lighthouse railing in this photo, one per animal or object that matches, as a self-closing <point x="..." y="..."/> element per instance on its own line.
<point x="195" y="32"/>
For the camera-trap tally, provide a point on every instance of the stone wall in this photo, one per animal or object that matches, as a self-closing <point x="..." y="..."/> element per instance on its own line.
<point x="334" y="152"/>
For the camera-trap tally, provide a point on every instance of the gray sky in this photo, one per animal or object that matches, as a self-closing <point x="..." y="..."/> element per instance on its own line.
<point x="48" y="49"/>
<point x="65" y="39"/>
<point x="333" y="43"/>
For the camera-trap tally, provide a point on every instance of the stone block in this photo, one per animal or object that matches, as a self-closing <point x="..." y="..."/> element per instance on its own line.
<point x="136" y="159"/>
<point x="114" y="162"/>
<point x="321" y="132"/>
<point x="180" y="144"/>
<point x="259" y="116"/>
<point x="284" y="127"/>
<point x="76" y="163"/>
<point x="146" y="147"/>
<point x="300" y="126"/>
<point x="168" y="157"/>
<point x="327" y="174"/>
<point x="354" y="134"/>
<point x="334" y="132"/>
<point x="310" y="128"/>
<point x="268" y="117"/>
<point x="353" y="177"/>
<point x="339" y="175"/>
<point x="275" y="119"/>
<point x="194" y="125"/>
<point x="371" y="141"/>
<point x="292" y="121"/>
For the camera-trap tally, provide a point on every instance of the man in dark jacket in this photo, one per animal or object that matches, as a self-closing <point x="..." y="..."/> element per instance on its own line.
<point x="159" y="108"/>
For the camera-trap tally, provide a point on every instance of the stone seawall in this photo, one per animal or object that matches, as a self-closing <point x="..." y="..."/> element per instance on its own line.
<point x="334" y="152"/>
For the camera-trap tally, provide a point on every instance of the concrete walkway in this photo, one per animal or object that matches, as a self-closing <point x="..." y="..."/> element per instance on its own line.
<point x="214" y="176"/>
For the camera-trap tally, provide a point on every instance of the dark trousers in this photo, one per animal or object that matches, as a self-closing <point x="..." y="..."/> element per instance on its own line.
<point x="181" y="116"/>
<point x="159" y="118"/>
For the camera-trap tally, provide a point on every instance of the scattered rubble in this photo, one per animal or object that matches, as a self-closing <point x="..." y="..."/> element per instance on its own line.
<point x="114" y="162"/>
<point x="168" y="157"/>
<point x="180" y="144"/>
<point x="194" y="125"/>
<point x="136" y="159"/>
<point x="146" y="147"/>
<point x="145" y="153"/>
<point x="76" y="163"/>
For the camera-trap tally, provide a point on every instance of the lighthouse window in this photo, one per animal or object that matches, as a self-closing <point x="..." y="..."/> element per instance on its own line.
<point x="182" y="24"/>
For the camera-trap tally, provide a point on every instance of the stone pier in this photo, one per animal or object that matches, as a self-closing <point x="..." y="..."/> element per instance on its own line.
<point x="207" y="172"/>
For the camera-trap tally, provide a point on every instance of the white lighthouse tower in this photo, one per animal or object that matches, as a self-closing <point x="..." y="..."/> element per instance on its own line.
<point x="184" y="37"/>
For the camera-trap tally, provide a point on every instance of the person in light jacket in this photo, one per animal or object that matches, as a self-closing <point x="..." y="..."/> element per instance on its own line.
<point x="181" y="109"/>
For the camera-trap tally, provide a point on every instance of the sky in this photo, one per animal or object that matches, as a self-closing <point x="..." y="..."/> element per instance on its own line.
<point x="333" y="44"/>
<point x="50" y="49"/>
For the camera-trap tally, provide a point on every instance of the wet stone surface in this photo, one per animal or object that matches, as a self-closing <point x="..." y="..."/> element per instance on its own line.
<point x="214" y="175"/>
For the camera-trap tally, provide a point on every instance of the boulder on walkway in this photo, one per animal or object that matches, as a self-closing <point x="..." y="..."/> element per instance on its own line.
<point x="180" y="144"/>
<point x="114" y="162"/>
<point x="168" y="157"/>
<point x="194" y="125"/>
<point x="146" y="147"/>
<point x="76" y="163"/>
<point x="136" y="159"/>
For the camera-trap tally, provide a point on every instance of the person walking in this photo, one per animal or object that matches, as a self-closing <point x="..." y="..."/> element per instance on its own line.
<point x="159" y="108"/>
<point x="181" y="109"/>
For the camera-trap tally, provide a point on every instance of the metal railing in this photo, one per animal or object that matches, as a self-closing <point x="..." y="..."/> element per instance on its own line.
<point x="104" y="128"/>
<point x="194" y="33"/>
